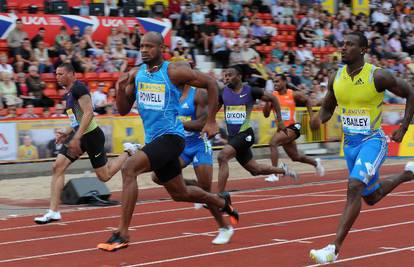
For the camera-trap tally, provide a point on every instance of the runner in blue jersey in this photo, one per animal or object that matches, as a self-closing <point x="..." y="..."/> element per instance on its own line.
<point x="193" y="114"/>
<point x="157" y="88"/>
<point x="238" y="100"/>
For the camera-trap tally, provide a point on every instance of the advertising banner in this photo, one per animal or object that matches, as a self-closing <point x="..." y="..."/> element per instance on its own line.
<point x="8" y="141"/>
<point x="101" y="26"/>
<point x="329" y="5"/>
<point x="360" y="6"/>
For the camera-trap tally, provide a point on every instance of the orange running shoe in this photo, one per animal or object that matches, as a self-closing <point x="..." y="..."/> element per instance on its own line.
<point x="114" y="243"/>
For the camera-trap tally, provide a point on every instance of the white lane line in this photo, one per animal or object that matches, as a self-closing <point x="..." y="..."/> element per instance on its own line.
<point x="239" y="229"/>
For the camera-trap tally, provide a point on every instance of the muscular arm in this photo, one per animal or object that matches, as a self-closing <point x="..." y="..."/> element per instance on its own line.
<point x="181" y="74"/>
<point x="384" y="80"/>
<point x="304" y="100"/>
<point x="200" y="102"/>
<point x="270" y="98"/>
<point x="85" y="102"/>
<point x="125" y="91"/>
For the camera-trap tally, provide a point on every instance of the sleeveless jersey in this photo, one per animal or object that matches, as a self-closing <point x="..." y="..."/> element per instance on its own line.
<point x="287" y="106"/>
<point x="187" y="112"/>
<point x="359" y="103"/>
<point x="158" y="102"/>
<point x="237" y="109"/>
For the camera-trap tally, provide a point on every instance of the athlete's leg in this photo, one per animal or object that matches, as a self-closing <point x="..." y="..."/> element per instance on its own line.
<point x="228" y="152"/>
<point x="58" y="180"/>
<point x="106" y="172"/>
<point x="279" y="139"/>
<point x="293" y="153"/>
<point x="256" y="168"/>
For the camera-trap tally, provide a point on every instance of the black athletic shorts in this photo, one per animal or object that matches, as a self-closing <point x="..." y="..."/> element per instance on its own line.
<point x="92" y="143"/>
<point x="163" y="153"/>
<point x="242" y="143"/>
<point x="295" y="127"/>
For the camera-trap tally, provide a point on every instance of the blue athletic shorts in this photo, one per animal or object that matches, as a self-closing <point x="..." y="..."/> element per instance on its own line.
<point x="199" y="153"/>
<point x="364" y="157"/>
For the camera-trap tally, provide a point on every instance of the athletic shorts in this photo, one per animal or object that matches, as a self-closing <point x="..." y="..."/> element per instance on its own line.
<point x="242" y="143"/>
<point x="199" y="154"/>
<point x="163" y="153"/>
<point x="364" y="159"/>
<point x="92" y="143"/>
<point x="296" y="128"/>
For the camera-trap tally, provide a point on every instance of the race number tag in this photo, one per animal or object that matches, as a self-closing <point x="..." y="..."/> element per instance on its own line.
<point x="285" y="114"/>
<point x="73" y="121"/>
<point x="236" y="114"/>
<point x="151" y="95"/>
<point x="356" y="121"/>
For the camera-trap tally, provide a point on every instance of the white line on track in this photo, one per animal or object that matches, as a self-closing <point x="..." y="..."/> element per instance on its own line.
<point x="238" y="229"/>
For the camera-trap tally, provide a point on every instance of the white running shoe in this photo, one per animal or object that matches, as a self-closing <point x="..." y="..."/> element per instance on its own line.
<point x="289" y="172"/>
<point x="198" y="206"/>
<point x="320" y="170"/>
<point x="272" y="178"/>
<point x="131" y="148"/>
<point x="224" y="236"/>
<point x="324" y="255"/>
<point x="50" y="216"/>
<point x="409" y="166"/>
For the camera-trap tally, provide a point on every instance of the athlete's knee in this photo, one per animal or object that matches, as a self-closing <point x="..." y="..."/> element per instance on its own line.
<point x="374" y="197"/>
<point x="296" y="157"/>
<point x="274" y="143"/>
<point x="253" y="170"/>
<point x="355" y="188"/>
<point x="222" y="158"/>
<point x="128" y="173"/>
<point x="58" y="168"/>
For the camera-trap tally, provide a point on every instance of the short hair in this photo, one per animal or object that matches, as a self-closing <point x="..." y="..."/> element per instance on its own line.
<point x="69" y="67"/>
<point x="363" y="41"/>
<point x="237" y="68"/>
<point x="282" y="76"/>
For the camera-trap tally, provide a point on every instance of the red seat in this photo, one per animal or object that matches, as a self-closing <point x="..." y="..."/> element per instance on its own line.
<point x="79" y="75"/>
<point x="48" y="77"/>
<point x="90" y="76"/>
<point x="104" y="76"/>
<point x="115" y="76"/>
<point x="50" y="92"/>
<point x="38" y="111"/>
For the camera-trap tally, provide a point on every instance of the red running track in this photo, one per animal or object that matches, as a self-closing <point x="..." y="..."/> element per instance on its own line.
<point x="278" y="227"/>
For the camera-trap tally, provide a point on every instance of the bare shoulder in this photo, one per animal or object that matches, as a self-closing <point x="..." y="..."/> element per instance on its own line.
<point x="383" y="79"/>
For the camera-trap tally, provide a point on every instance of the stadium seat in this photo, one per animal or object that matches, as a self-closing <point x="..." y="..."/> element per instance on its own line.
<point x="79" y="76"/>
<point x="105" y="76"/>
<point x="48" y="77"/>
<point x="90" y="76"/>
<point x="38" y="111"/>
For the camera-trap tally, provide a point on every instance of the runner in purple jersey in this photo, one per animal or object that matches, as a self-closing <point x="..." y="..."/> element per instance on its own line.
<point x="238" y="100"/>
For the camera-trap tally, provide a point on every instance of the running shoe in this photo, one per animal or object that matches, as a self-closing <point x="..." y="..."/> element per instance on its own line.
<point x="272" y="178"/>
<point x="198" y="206"/>
<point x="114" y="243"/>
<point x="228" y="208"/>
<point x="320" y="170"/>
<point x="224" y="236"/>
<point x="324" y="255"/>
<point x="409" y="166"/>
<point x="288" y="171"/>
<point x="131" y="148"/>
<point x="50" y="216"/>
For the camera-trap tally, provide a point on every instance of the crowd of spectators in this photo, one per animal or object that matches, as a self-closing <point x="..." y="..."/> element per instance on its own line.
<point x="197" y="30"/>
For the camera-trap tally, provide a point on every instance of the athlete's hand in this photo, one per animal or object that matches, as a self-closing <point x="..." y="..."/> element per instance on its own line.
<point x="123" y="81"/>
<point x="281" y="127"/>
<point x="74" y="147"/>
<point x="315" y="123"/>
<point x="61" y="137"/>
<point x="398" y="135"/>
<point x="210" y="129"/>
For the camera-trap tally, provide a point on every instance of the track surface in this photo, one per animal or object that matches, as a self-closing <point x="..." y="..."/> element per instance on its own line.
<point x="278" y="227"/>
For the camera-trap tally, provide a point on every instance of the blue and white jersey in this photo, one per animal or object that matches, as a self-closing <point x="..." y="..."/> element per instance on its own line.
<point x="158" y="102"/>
<point x="187" y="112"/>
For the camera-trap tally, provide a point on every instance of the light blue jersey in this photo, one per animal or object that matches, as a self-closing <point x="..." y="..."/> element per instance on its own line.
<point x="158" y="103"/>
<point x="197" y="148"/>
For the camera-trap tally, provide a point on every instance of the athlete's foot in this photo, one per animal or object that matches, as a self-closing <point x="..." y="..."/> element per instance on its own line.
<point x="324" y="255"/>
<point x="272" y="178"/>
<point x="288" y="171"/>
<point x="131" y="148"/>
<point x="198" y="206"/>
<point x="224" y="236"/>
<point x="228" y="208"/>
<point x="50" y="216"/>
<point x="409" y="167"/>
<point x="320" y="170"/>
<point x="114" y="243"/>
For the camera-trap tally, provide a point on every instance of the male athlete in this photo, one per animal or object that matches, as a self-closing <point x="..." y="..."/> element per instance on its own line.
<point x="288" y="99"/>
<point x="157" y="86"/>
<point x="358" y="91"/>
<point x="84" y="135"/>
<point x="238" y="100"/>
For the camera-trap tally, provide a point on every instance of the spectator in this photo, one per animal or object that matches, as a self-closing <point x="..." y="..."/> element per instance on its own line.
<point x="76" y="36"/>
<point x="99" y="99"/>
<point x="92" y="45"/>
<point x="244" y="29"/>
<point x="83" y="8"/>
<point x="8" y="91"/>
<point x="61" y="38"/>
<point x="11" y="112"/>
<point x="59" y="111"/>
<point x="16" y="37"/>
<point x="29" y="113"/>
<point x="135" y="37"/>
<point x="247" y="52"/>
<point x="220" y="52"/>
<point x="40" y="36"/>
<point x="395" y="48"/>
<point x="259" y="32"/>
<point x="4" y="66"/>
<point x="22" y="89"/>
<point x="41" y="55"/>
<point x="36" y="87"/>
<point x="236" y="56"/>
<point x="207" y="32"/>
<point x="27" y="151"/>
<point x="304" y="53"/>
<point x="23" y="56"/>
<point x="294" y="78"/>
<point x="119" y="57"/>
<point x="52" y="147"/>
<point x="113" y="38"/>
<point x="46" y="112"/>
<point x="306" y="78"/>
<point x="277" y="51"/>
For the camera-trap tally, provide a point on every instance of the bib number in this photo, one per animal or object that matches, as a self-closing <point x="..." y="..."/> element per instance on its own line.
<point x="356" y="121"/>
<point x="151" y="96"/>
<point x="236" y="114"/>
<point x="73" y="121"/>
<point x="285" y="114"/>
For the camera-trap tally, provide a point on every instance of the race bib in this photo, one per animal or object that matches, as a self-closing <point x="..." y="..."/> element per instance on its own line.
<point x="356" y="121"/>
<point x="183" y="119"/>
<point x="285" y="114"/>
<point x="151" y="95"/>
<point x="73" y="121"/>
<point x="236" y="114"/>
